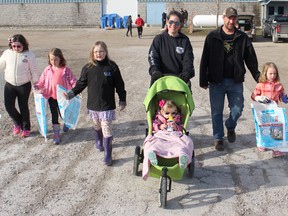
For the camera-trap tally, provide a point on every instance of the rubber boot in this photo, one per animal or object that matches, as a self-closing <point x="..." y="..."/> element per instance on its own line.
<point x="107" y="143"/>
<point x="56" y="131"/>
<point x="99" y="140"/>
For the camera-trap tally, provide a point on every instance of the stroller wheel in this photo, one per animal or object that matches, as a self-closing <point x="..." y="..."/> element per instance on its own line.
<point x="163" y="191"/>
<point x="191" y="167"/>
<point x="136" y="160"/>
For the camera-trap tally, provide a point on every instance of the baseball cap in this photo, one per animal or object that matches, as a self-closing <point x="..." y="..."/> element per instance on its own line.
<point x="230" y="11"/>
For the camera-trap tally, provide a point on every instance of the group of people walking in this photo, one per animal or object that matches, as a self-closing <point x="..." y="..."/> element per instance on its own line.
<point x="100" y="75"/>
<point x="222" y="71"/>
<point x="139" y="23"/>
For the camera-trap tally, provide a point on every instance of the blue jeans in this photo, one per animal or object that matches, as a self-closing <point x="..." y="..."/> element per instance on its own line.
<point x="217" y="92"/>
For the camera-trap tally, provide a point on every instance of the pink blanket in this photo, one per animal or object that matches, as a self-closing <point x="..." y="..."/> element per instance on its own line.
<point x="167" y="145"/>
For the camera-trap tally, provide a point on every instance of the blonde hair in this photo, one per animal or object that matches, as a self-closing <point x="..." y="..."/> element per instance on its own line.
<point x="91" y="56"/>
<point x="263" y="75"/>
<point x="169" y="104"/>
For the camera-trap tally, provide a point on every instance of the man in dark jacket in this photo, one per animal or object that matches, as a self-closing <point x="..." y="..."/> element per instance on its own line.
<point x="222" y="70"/>
<point x="171" y="52"/>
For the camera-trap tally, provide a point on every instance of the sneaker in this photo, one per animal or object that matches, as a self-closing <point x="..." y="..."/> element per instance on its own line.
<point x="65" y="128"/>
<point x="16" y="129"/>
<point x="276" y="154"/>
<point x="152" y="158"/>
<point x="219" y="145"/>
<point x="183" y="160"/>
<point x="25" y="133"/>
<point x="231" y="136"/>
<point x="262" y="149"/>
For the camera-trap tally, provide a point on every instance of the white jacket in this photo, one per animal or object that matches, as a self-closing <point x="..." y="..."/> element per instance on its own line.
<point x="19" y="68"/>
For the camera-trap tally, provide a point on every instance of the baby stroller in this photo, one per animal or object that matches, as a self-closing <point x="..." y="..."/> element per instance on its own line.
<point x="167" y="169"/>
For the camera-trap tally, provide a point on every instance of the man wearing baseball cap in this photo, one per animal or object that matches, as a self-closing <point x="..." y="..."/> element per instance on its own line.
<point x="222" y="71"/>
<point x="230" y="12"/>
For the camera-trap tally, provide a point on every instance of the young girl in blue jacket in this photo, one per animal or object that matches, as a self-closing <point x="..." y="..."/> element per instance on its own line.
<point x="102" y="77"/>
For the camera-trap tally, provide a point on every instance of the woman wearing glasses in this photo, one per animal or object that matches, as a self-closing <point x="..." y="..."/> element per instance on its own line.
<point x="20" y="69"/>
<point x="171" y="52"/>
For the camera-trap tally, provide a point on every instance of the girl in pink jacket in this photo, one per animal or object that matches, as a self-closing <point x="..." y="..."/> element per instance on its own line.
<point x="55" y="74"/>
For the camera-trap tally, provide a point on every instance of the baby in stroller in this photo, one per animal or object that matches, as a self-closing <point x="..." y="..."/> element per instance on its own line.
<point x="168" y="98"/>
<point x="168" y="118"/>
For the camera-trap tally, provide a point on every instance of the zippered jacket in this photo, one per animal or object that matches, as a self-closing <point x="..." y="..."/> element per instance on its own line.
<point x="45" y="81"/>
<point x="19" y="68"/>
<point x="101" y="81"/>
<point x="212" y="61"/>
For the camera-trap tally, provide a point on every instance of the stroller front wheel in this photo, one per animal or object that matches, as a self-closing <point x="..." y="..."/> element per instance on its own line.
<point x="136" y="160"/>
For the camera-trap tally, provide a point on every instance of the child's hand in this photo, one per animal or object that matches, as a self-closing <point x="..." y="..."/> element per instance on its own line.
<point x="262" y="99"/>
<point x="284" y="98"/>
<point x="121" y="107"/>
<point x="163" y="126"/>
<point x="69" y="95"/>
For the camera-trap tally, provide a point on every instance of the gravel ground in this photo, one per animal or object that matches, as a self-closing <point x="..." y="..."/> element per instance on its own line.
<point x="39" y="178"/>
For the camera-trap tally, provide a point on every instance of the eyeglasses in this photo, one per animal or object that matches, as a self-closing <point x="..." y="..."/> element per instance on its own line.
<point x="169" y="113"/>
<point x="16" y="46"/>
<point x="177" y="23"/>
<point x="100" y="51"/>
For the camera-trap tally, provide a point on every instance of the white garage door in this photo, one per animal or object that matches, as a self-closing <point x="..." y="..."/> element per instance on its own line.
<point x="122" y="8"/>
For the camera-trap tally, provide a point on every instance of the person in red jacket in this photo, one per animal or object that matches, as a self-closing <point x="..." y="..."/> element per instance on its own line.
<point x="140" y="23"/>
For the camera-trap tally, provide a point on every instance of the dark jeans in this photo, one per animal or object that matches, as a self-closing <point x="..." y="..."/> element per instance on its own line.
<point x="22" y="94"/>
<point x="129" y="29"/>
<point x="55" y="112"/>
<point x="140" y="30"/>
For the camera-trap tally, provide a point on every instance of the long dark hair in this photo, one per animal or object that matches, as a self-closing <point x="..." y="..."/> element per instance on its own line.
<point x="21" y="39"/>
<point x="176" y="13"/>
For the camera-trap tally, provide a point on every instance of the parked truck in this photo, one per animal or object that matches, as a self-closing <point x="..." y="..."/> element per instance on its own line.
<point x="276" y="26"/>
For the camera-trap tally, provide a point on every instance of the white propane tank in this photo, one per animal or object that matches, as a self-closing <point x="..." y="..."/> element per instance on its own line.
<point x="207" y="20"/>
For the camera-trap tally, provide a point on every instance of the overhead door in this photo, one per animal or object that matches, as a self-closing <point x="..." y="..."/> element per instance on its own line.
<point x="154" y="12"/>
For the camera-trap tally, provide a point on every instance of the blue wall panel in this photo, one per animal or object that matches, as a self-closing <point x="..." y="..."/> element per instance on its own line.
<point x="154" y="12"/>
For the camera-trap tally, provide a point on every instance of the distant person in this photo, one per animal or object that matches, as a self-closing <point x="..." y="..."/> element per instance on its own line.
<point x="102" y="77"/>
<point x="20" y="69"/>
<point x="222" y="70"/>
<point x="185" y="17"/>
<point x="140" y="23"/>
<point x="182" y="13"/>
<point x="129" y="25"/>
<point x="164" y="15"/>
<point x="56" y="73"/>
<point x="270" y="88"/>
<point x="171" y="52"/>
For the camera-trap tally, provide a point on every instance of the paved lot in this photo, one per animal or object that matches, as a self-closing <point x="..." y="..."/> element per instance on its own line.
<point x="39" y="178"/>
